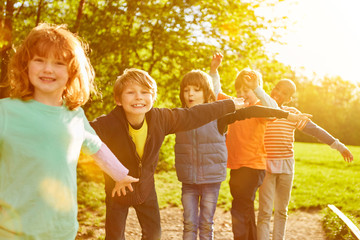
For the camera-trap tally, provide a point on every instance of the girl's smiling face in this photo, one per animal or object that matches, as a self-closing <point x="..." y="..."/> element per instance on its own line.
<point x="49" y="76"/>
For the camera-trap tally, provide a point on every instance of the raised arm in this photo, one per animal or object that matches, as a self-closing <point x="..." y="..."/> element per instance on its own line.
<point x="323" y="136"/>
<point x="214" y="65"/>
<point x="255" y="83"/>
<point x="264" y="98"/>
<point x="107" y="161"/>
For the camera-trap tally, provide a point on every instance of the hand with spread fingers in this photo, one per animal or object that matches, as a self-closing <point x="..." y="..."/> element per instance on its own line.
<point x="348" y="157"/>
<point x="120" y="186"/>
<point x="215" y="62"/>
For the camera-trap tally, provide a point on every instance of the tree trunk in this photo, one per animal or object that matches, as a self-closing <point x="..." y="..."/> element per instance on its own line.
<point x="38" y="15"/>
<point x="5" y="47"/>
<point x="79" y="16"/>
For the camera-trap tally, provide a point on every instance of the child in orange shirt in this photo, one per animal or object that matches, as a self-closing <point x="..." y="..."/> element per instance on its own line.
<point x="246" y="151"/>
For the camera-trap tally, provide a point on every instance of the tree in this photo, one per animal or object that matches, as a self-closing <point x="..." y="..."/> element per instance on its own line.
<point x="334" y="104"/>
<point x="166" y="39"/>
<point x="6" y="25"/>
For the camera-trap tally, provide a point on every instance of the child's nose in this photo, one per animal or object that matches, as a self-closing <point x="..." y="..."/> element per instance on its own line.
<point x="48" y="67"/>
<point x="138" y="96"/>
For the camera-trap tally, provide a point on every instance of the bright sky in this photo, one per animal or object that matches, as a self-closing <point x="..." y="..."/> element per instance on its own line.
<point x="324" y="37"/>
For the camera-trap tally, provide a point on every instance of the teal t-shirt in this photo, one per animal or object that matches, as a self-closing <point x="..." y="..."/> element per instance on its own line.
<point x="39" y="150"/>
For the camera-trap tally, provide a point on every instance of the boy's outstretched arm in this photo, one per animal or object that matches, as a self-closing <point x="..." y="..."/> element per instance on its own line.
<point x="214" y="74"/>
<point x="107" y="161"/>
<point x="257" y="111"/>
<point x="323" y="136"/>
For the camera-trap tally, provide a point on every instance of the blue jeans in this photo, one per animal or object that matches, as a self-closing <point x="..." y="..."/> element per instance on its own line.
<point x="205" y="196"/>
<point x="148" y="215"/>
<point x="244" y="183"/>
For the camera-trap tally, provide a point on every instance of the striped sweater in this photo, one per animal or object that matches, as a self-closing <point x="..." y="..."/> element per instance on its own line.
<point x="279" y="137"/>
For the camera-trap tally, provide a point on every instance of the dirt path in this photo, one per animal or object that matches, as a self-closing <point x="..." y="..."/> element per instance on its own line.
<point x="301" y="225"/>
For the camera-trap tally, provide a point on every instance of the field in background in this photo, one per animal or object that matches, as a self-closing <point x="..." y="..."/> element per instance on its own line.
<point x="322" y="177"/>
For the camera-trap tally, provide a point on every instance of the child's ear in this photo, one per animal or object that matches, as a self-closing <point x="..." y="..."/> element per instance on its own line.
<point x="289" y="99"/>
<point x="118" y="102"/>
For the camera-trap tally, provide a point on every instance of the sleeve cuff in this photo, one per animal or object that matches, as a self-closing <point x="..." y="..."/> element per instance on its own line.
<point x="337" y="145"/>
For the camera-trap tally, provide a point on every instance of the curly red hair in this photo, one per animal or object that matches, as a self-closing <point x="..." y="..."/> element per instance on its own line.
<point x="56" y="40"/>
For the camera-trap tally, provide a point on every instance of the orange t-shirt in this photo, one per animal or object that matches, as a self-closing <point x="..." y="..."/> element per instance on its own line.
<point x="245" y="142"/>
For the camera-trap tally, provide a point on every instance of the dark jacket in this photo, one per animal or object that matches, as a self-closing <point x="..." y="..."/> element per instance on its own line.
<point x="255" y="111"/>
<point x="114" y="132"/>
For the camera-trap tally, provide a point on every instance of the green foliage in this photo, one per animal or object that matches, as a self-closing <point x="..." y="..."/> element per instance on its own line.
<point x="334" y="104"/>
<point x="335" y="228"/>
<point x="167" y="155"/>
<point x="88" y="188"/>
<point x="169" y="188"/>
<point x="170" y="38"/>
<point x="225" y="199"/>
<point x="165" y="38"/>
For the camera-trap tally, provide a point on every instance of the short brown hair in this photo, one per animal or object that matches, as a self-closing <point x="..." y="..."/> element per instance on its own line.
<point x="133" y="75"/>
<point x="46" y="39"/>
<point x="199" y="79"/>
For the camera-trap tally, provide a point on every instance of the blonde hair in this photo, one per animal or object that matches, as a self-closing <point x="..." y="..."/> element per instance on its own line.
<point x="199" y="79"/>
<point x="247" y="73"/>
<point x="133" y="75"/>
<point x="44" y="40"/>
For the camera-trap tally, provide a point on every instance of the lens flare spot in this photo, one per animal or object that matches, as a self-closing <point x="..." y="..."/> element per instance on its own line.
<point x="57" y="195"/>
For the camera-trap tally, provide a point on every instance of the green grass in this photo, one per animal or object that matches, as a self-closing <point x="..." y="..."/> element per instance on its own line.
<point x="322" y="177"/>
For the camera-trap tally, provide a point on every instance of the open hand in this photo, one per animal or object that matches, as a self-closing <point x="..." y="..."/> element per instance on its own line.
<point x="348" y="157"/>
<point x="120" y="186"/>
<point x="215" y="62"/>
<point x="240" y="103"/>
<point x="292" y="117"/>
